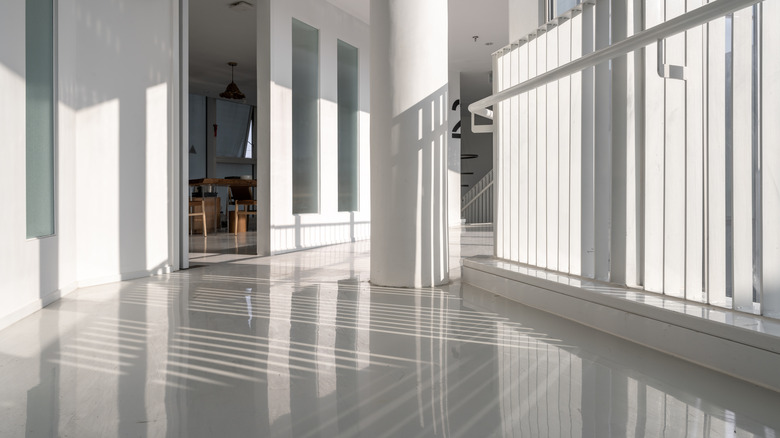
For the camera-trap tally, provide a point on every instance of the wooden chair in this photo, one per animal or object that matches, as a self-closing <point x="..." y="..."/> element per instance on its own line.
<point x="201" y="213"/>
<point x="241" y="196"/>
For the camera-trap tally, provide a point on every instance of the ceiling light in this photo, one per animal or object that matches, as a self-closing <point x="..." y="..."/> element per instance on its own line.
<point x="232" y="91"/>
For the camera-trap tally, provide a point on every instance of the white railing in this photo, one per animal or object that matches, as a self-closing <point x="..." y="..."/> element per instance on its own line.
<point x="640" y="157"/>
<point x="696" y="17"/>
<point x="477" y="203"/>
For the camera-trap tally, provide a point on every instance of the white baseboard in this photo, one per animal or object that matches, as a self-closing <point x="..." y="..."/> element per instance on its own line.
<point x="51" y="297"/>
<point x="35" y="306"/>
<point x="165" y="269"/>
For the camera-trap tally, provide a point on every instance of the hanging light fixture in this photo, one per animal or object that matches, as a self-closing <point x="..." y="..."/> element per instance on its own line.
<point x="232" y="91"/>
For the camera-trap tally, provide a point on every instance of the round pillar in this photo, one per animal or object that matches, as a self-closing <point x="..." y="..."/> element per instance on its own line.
<point x="409" y="73"/>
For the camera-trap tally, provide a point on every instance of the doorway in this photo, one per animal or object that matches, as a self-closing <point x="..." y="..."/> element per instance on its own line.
<point x="218" y="132"/>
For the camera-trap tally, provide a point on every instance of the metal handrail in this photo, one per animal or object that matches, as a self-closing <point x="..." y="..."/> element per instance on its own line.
<point x="697" y="17"/>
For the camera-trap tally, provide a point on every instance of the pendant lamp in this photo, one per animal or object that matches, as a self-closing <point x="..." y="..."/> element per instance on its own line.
<point x="232" y="91"/>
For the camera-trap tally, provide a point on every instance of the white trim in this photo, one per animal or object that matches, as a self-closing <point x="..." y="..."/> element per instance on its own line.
<point x="162" y="270"/>
<point x="35" y="306"/>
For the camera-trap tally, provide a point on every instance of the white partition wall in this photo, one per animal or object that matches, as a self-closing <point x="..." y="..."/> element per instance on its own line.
<point x="306" y="214"/>
<point x="654" y="170"/>
<point x="93" y="203"/>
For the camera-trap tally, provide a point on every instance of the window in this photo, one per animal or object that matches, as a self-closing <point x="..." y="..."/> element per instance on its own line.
<point x="305" y="118"/>
<point x="234" y="123"/>
<point x="348" y="126"/>
<point x="39" y="67"/>
<point x="248" y="152"/>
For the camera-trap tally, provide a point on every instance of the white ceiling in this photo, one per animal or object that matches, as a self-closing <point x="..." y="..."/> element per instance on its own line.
<point x="219" y="34"/>
<point x="487" y="19"/>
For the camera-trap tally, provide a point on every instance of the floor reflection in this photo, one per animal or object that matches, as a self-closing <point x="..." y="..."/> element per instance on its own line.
<point x="301" y="345"/>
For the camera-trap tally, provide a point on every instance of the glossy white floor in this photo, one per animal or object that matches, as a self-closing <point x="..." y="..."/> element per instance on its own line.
<point x="301" y="345"/>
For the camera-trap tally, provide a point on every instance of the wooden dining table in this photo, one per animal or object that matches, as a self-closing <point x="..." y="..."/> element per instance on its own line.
<point x="224" y="182"/>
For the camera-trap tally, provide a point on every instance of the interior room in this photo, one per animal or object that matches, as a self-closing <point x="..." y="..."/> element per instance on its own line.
<point x="222" y="119"/>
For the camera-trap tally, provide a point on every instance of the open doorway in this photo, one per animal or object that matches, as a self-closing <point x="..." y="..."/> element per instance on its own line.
<point x="221" y="156"/>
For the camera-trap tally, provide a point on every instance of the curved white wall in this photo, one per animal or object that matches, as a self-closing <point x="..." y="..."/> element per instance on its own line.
<point x="113" y="147"/>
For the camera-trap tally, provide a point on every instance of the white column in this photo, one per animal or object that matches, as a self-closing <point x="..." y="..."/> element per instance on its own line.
<point x="408" y="143"/>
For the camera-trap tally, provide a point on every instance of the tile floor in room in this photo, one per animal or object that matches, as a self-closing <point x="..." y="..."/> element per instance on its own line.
<point x="301" y="345"/>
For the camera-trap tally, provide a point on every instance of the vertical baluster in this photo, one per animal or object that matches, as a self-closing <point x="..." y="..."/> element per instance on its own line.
<point x="541" y="155"/>
<point x="522" y="170"/>
<point x="564" y="121"/>
<point x="742" y="159"/>
<point x="716" y="162"/>
<point x="588" y="111"/>
<point x="694" y="198"/>
<point x="576" y="147"/>
<point x="770" y="159"/>
<point x="619" y="153"/>
<point x="602" y="150"/>
<point x="654" y="158"/>
<point x="498" y="163"/>
<point x="552" y="153"/>
<point x="532" y="149"/>
<point x="674" y="164"/>
<point x="510" y="162"/>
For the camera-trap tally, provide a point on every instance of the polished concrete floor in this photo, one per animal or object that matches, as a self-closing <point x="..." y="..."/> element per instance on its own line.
<point x="302" y="345"/>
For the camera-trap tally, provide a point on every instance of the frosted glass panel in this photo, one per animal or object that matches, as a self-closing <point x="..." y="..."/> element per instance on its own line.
<point x="39" y="67"/>
<point x="305" y="108"/>
<point x="348" y="126"/>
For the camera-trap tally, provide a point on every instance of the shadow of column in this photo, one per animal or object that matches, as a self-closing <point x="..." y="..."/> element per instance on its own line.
<point x="132" y="196"/>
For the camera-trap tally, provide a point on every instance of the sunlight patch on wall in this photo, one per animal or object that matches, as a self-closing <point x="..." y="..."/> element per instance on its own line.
<point x="156" y="175"/>
<point x="97" y="135"/>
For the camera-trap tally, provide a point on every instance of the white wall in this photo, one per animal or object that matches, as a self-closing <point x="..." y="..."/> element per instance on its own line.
<point x="30" y="269"/>
<point x="524" y="17"/>
<point x="119" y="88"/>
<point x="114" y="70"/>
<point x="288" y="231"/>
